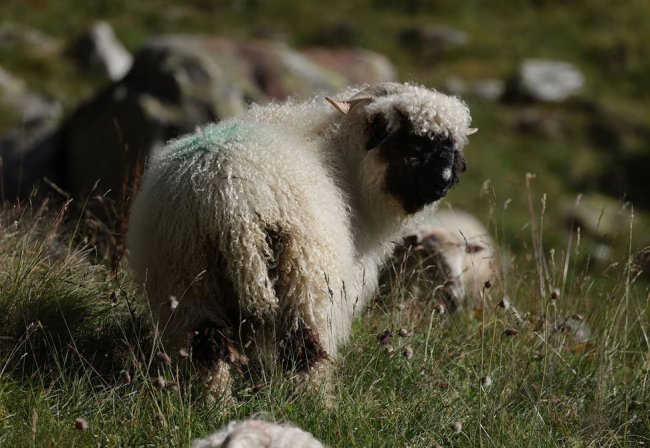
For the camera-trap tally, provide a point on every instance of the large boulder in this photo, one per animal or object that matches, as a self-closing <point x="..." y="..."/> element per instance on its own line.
<point x="25" y="158"/>
<point x="432" y="40"/>
<point x="26" y="105"/>
<point x="99" y="48"/>
<point x="178" y="82"/>
<point x="356" y="65"/>
<point x="598" y="216"/>
<point x="31" y="40"/>
<point x="489" y="89"/>
<point x="546" y="81"/>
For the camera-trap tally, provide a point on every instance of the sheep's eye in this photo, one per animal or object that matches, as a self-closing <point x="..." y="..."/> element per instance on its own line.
<point x="378" y="132"/>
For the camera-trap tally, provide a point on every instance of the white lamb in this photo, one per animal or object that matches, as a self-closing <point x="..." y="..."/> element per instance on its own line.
<point x="258" y="434"/>
<point x="446" y="257"/>
<point x="264" y="234"/>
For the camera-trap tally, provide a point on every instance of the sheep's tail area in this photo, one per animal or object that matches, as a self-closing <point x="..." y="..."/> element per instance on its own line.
<point x="244" y="248"/>
<point x="227" y="207"/>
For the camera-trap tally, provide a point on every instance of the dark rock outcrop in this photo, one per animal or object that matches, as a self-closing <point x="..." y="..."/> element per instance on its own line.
<point x="176" y="83"/>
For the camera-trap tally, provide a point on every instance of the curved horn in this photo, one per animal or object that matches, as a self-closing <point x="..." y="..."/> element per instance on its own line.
<point x="345" y="106"/>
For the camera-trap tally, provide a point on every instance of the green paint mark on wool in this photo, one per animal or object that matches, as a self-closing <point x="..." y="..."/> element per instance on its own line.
<point x="204" y="141"/>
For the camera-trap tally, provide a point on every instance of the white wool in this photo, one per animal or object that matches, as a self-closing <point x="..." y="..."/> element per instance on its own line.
<point x="278" y="217"/>
<point x="462" y="248"/>
<point x="258" y="434"/>
<point x="428" y="111"/>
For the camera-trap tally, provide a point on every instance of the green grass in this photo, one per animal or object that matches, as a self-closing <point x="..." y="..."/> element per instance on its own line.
<point x="67" y="341"/>
<point x="71" y="322"/>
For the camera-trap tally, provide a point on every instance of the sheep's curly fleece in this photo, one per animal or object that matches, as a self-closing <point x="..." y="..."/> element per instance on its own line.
<point x="277" y="216"/>
<point x="258" y="434"/>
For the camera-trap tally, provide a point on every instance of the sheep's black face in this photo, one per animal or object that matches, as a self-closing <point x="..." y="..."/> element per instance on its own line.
<point x="420" y="169"/>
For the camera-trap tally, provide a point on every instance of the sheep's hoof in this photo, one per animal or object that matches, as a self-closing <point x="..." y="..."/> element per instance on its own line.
<point x="212" y="353"/>
<point x="217" y="382"/>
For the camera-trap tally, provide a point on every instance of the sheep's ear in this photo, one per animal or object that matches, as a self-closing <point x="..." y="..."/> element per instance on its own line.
<point x="345" y="106"/>
<point x="471" y="131"/>
<point x="378" y="132"/>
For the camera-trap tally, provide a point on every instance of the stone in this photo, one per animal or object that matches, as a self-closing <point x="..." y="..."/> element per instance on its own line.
<point x="356" y="65"/>
<point x="488" y="89"/>
<point x="99" y="47"/>
<point x="546" y="81"/>
<point x="178" y="82"/>
<point x="433" y="38"/>
<point x="28" y="106"/>
<point x="34" y="41"/>
<point x="27" y="152"/>
<point x="598" y="216"/>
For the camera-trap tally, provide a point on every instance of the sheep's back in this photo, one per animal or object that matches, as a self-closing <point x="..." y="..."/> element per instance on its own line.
<point x="209" y="199"/>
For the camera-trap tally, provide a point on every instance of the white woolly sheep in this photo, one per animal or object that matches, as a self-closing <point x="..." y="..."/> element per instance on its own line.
<point x="258" y="434"/>
<point x="264" y="234"/>
<point x="446" y="256"/>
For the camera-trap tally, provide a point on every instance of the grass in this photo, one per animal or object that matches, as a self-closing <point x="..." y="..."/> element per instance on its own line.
<point x="72" y="330"/>
<point x="75" y="342"/>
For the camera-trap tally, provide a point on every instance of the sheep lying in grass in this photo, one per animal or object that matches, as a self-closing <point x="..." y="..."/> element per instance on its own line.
<point x="263" y="235"/>
<point x="446" y="257"/>
<point x="258" y="434"/>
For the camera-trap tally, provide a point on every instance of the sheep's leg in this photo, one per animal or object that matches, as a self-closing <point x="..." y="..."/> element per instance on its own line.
<point x="303" y="340"/>
<point x="302" y="349"/>
<point x="303" y="353"/>
<point x="212" y="354"/>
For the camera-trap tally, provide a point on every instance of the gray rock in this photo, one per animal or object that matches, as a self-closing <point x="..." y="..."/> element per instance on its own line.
<point x="176" y="83"/>
<point x="538" y="121"/>
<point x="598" y="216"/>
<point x="356" y="65"/>
<point x="99" y="47"/>
<point x="28" y="106"/>
<point x="489" y="89"/>
<point x="547" y="81"/>
<point x="24" y="155"/>
<point x="433" y="39"/>
<point x="35" y="41"/>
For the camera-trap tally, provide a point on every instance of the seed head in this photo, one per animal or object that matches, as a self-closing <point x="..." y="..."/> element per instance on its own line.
<point x="486" y="381"/>
<point x="510" y="332"/>
<point x="183" y="353"/>
<point x="81" y="424"/>
<point x="164" y="358"/>
<point x="385" y="337"/>
<point x="160" y="383"/>
<point x="488" y="284"/>
<point x="408" y="352"/>
<point x="125" y="377"/>
<point x="555" y="294"/>
<point x="457" y="427"/>
<point x="403" y="333"/>
<point x="173" y="302"/>
<point x="440" y="308"/>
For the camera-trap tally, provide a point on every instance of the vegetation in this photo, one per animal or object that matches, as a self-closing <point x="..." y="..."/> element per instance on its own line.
<point x="557" y="359"/>
<point x="76" y="344"/>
